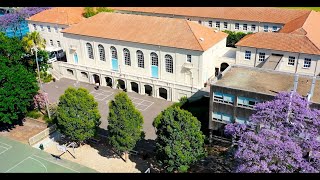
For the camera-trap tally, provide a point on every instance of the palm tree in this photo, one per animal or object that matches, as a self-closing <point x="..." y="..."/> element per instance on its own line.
<point x="32" y="40"/>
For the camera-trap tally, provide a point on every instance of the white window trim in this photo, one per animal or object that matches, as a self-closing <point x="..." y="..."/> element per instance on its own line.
<point x="224" y="25"/>
<point x="246" y="27"/>
<point x="263" y="58"/>
<point x="245" y="56"/>
<point x="303" y="67"/>
<point x="235" y="26"/>
<point x="190" y="58"/>
<point x="293" y="63"/>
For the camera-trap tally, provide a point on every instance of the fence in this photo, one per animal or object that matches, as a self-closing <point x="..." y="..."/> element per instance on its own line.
<point x="43" y="134"/>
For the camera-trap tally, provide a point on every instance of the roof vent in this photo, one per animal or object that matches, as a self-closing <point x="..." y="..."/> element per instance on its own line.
<point x="201" y="39"/>
<point x="215" y="31"/>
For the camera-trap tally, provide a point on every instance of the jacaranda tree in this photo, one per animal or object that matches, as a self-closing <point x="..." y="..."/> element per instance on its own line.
<point x="283" y="137"/>
<point x="78" y="115"/>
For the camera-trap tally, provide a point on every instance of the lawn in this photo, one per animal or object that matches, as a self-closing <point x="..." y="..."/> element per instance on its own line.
<point x="310" y="8"/>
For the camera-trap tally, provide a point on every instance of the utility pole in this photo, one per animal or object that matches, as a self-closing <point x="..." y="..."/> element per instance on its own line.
<point x="40" y="84"/>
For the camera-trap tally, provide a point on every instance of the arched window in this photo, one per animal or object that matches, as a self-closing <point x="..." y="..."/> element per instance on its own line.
<point x="114" y="54"/>
<point x="101" y="52"/>
<point x="126" y="56"/>
<point x="154" y="59"/>
<point x="140" y="59"/>
<point x="169" y="63"/>
<point x="89" y="49"/>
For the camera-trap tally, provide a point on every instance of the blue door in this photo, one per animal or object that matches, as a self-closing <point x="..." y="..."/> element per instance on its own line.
<point x="75" y="57"/>
<point x="115" y="64"/>
<point x="154" y="71"/>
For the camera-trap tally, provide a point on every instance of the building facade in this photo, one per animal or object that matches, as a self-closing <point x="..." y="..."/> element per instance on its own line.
<point x="49" y="23"/>
<point x="238" y="89"/>
<point x="161" y="69"/>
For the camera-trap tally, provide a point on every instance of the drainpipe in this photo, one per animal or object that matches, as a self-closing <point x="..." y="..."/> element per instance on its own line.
<point x="297" y="63"/>
<point x="315" y="69"/>
<point x="255" y="59"/>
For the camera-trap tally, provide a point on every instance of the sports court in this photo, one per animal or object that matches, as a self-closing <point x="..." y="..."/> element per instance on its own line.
<point x="106" y="96"/>
<point x="16" y="157"/>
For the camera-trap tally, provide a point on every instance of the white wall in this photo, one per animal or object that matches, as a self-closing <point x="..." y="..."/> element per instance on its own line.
<point x="283" y="66"/>
<point x="53" y="35"/>
<point x="230" y="26"/>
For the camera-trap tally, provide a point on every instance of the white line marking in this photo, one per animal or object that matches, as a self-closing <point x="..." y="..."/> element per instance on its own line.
<point x="6" y="144"/>
<point x="56" y="164"/>
<point x="40" y="163"/>
<point x="17" y="164"/>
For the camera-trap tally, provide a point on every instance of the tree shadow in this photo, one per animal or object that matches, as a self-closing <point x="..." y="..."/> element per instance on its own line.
<point x="144" y="156"/>
<point x="8" y="127"/>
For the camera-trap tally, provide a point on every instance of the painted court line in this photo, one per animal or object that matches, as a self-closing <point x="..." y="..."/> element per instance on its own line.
<point x="56" y="163"/>
<point x="17" y="164"/>
<point x="39" y="162"/>
<point x="6" y="145"/>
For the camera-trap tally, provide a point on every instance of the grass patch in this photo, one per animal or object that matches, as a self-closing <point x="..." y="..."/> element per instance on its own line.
<point x="34" y="114"/>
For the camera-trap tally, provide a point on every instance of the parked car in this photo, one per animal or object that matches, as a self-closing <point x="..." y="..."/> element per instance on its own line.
<point x="55" y="54"/>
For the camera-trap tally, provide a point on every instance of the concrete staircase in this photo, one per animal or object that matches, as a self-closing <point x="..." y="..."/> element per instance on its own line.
<point x="272" y="62"/>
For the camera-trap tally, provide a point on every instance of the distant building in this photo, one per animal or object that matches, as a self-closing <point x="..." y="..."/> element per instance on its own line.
<point x="239" y="19"/>
<point x="295" y="49"/>
<point x="234" y="93"/>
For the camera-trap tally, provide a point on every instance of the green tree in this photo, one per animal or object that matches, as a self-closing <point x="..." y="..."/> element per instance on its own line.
<point x="11" y="50"/>
<point x="125" y="124"/>
<point x="32" y="40"/>
<point x="91" y="11"/>
<point x="78" y="115"/>
<point x="179" y="141"/>
<point x="17" y="88"/>
<point x="234" y="37"/>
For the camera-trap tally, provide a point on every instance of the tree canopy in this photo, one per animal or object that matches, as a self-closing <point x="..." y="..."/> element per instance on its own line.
<point x="234" y="37"/>
<point x="77" y="114"/>
<point x="17" y="88"/>
<point x="125" y="123"/>
<point x="179" y="141"/>
<point x="282" y="137"/>
<point x="91" y="11"/>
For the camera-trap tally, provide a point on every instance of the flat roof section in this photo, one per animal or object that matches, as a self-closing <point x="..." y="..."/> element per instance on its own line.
<point x="267" y="81"/>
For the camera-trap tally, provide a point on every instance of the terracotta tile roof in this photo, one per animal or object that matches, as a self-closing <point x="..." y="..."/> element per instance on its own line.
<point x="170" y="32"/>
<point x="280" y="41"/>
<point x="60" y="15"/>
<point x="299" y="35"/>
<point x="258" y="14"/>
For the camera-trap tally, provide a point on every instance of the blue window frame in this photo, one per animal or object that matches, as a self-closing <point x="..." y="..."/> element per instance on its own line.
<point x="246" y="102"/>
<point x="221" y="117"/>
<point x="221" y="97"/>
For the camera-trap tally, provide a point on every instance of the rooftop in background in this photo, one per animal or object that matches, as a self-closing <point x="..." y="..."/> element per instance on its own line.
<point x="299" y="35"/>
<point x="257" y="14"/>
<point x="160" y="31"/>
<point x="280" y="41"/>
<point x="266" y="81"/>
<point x="60" y="15"/>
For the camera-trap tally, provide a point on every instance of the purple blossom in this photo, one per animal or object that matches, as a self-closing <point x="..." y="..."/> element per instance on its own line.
<point x="285" y="140"/>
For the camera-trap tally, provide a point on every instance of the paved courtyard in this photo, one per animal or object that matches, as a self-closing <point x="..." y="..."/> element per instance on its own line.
<point x="149" y="107"/>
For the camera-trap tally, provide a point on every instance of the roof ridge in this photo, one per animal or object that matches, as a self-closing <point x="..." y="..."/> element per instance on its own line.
<point x="312" y="42"/>
<point x="306" y="20"/>
<point x="187" y="21"/>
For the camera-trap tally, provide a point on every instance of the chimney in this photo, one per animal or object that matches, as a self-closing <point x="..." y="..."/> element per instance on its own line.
<point x="295" y="84"/>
